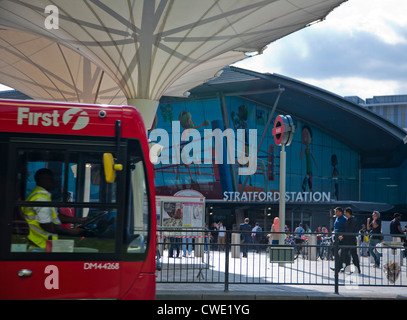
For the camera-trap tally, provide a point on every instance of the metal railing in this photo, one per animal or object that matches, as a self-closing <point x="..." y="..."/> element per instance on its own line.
<point x="196" y="256"/>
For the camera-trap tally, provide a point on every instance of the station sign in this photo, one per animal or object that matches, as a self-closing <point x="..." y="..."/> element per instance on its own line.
<point x="283" y="130"/>
<point x="274" y="196"/>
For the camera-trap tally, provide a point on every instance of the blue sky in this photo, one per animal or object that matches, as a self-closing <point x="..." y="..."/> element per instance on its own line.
<point x="359" y="49"/>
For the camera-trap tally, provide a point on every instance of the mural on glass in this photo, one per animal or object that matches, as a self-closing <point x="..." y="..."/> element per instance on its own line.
<point x="314" y="158"/>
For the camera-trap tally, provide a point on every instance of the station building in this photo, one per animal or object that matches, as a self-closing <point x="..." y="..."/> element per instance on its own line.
<point x="342" y="153"/>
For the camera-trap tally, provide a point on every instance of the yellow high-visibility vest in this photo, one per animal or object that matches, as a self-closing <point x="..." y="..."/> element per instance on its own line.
<point x="37" y="234"/>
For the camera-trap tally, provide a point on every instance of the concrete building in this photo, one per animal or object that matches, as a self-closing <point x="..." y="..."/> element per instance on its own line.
<point x="392" y="107"/>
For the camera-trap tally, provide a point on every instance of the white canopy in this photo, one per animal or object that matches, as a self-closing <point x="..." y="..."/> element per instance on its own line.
<point x="45" y="70"/>
<point x="105" y="51"/>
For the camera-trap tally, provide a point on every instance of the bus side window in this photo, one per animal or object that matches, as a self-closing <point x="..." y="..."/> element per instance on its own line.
<point x="20" y="228"/>
<point x="138" y="215"/>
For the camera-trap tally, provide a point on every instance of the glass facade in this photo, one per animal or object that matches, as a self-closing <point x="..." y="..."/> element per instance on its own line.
<point x="386" y="185"/>
<point x="316" y="162"/>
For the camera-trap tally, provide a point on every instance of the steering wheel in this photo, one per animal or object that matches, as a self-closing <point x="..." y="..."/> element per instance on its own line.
<point x="96" y="225"/>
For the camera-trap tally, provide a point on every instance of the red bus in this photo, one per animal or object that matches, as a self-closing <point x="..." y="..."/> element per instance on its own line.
<point x="102" y="179"/>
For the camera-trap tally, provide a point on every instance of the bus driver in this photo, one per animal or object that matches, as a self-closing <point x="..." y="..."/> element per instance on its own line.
<point x="43" y="221"/>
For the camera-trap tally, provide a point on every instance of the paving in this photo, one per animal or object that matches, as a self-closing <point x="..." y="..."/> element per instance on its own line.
<point x="313" y="280"/>
<point x="177" y="291"/>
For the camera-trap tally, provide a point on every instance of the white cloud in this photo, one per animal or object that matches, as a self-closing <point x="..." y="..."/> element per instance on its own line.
<point x="360" y="49"/>
<point x="374" y="16"/>
<point x="352" y="86"/>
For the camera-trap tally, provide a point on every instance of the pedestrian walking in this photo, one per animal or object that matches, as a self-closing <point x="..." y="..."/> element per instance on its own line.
<point x="275" y="228"/>
<point x="339" y="228"/>
<point x="318" y="231"/>
<point x="257" y="236"/>
<point x="214" y="236"/>
<point x="245" y="236"/>
<point x="395" y="228"/>
<point x="186" y="245"/>
<point x="298" y="238"/>
<point x="374" y="226"/>
<point x="349" y="240"/>
<point x="221" y="235"/>
<point x="364" y="241"/>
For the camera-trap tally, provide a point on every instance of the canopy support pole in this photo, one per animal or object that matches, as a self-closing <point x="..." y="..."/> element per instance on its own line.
<point x="147" y="108"/>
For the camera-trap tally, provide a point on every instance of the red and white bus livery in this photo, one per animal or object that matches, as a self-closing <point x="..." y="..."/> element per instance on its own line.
<point x="102" y="179"/>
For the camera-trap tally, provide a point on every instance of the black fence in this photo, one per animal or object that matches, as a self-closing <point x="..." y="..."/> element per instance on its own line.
<point x="196" y="256"/>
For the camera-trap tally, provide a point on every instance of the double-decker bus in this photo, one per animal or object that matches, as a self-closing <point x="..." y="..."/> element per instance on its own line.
<point x="102" y="179"/>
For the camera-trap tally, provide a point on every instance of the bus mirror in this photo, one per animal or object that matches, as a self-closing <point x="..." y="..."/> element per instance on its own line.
<point x="110" y="167"/>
